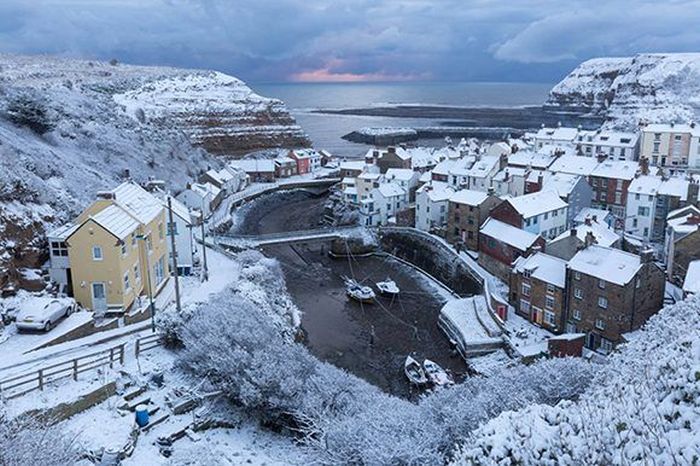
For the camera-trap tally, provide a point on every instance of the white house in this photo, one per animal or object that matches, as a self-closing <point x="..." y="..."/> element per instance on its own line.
<point x="510" y="181"/>
<point x="202" y="197"/>
<point x="616" y="145"/>
<point x="404" y="177"/>
<point x="479" y="176"/>
<point x="498" y="149"/>
<point x="184" y="220"/>
<point x="543" y="213"/>
<point x="59" y="263"/>
<point x="432" y="205"/>
<point x="679" y="224"/>
<point x="572" y="189"/>
<point x="671" y="145"/>
<point x="649" y="200"/>
<point x="382" y="204"/>
<point x="561" y="136"/>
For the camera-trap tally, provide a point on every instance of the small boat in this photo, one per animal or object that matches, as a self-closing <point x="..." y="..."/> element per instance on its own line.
<point x="436" y="374"/>
<point x="414" y="371"/>
<point x="358" y="292"/>
<point x="388" y="287"/>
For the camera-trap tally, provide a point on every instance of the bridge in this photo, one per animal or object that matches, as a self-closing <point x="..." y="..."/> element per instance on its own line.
<point x="302" y="236"/>
<point x="223" y="212"/>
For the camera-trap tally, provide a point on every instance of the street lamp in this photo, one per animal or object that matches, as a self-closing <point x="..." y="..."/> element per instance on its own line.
<point x="148" y="278"/>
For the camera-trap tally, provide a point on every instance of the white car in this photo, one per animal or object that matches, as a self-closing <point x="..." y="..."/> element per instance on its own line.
<point x="44" y="313"/>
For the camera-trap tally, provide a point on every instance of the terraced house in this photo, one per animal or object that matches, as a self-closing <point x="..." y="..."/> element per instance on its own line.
<point x="115" y="247"/>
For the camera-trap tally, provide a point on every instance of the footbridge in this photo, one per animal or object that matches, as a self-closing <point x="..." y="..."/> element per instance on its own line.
<point x="303" y="236"/>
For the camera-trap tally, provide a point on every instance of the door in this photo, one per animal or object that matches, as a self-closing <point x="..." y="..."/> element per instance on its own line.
<point x="99" y="297"/>
<point x="537" y="315"/>
<point x="591" y="341"/>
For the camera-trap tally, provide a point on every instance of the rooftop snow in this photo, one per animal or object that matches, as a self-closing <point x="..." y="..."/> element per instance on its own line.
<point x="645" y="184"/>
<point x="544" y="267"/>
<point x="401" y="174"/>
<point x="574" y="164"/>
<point x="138" y="202"/>
<point x="602" y="233"/>
<point x="557" y="134"/>
<point x="691" y="284"/>
<point x="254" y="165"/>
<point x="391" y="190"/>
<point x="611" y="265"/>
<point x="436" y="191"/>
<point x="469" y="197"/>
<point x="508" y="234"/>
<point x="616" y="169"/>
<point x="537" y="203"/>
<point x="526" y="158"/>
<point x="116" y="221"/>
<point x="562" y="183"/>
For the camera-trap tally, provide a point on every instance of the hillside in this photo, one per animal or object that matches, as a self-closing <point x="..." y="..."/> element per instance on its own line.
<point x="69" y="128"/>
<point x="652" y="87"/>
<point x="641" y="408"/>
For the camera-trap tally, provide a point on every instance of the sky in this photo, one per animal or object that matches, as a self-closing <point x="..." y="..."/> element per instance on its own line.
<point x="354" y="40"/>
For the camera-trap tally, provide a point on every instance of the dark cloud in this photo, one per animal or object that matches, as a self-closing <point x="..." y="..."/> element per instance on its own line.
<point x="272" y="40"/>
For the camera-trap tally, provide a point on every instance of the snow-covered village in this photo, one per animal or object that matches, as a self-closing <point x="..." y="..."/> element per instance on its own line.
<point x="219" y="248"/>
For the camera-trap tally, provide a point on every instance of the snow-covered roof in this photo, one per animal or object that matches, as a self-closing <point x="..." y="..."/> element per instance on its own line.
<point x="205" y="189"/>
<point x="62" y="232"/>
<point x="671" y="128"/>
<point x="444" y="167"/>
<point x="469" y="197"/>
<point x="652" y="185"/>
<point x="511" y="171"/>
<point x="390" y="190"/>
<point x="682" y="220"/>
<point x="426" y="177"/>
<point x="616" y="169"/>
<point x="645" y="184"/>
<point x="369" y="176"/>
<point x="401" y="174"/>
<point x="608" y="138"/>
<point x="436" y="191"/>
<point x="676" y="187"/>
<point x="284" y="160"/>
<point x="348" y="181"/>
<point x="483" y="167"/>
<point x="590" y="212"/>
<point x="562" y="183"/>
<point x="525" y="158"/>
<point x="611" y="265"/>
<point x="557" y="134"/>
<point x="691" y="284"/>
<point x="350" y="191"/>
<point x="116" y="221"/>
<point x="544" y="267"/>
<point x="352" y="165"/>
<point x="462" y="166"/>
<point x="508" y="234"/>
<point x="179" y="209"/>
<point x="574" y="164"/>
<point x="138" y="202"/>
<point x="254" y="165"/>
<point x="306" y="153"/>
<point x="537" y="203"/>
<point x="602" y="233"/>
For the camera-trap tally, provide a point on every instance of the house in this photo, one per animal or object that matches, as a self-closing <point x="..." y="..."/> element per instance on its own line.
<point x="229" y="179"/>
<point x="392" y="157"/>
<point x="203" y="197"/>
<point x="404" y="177"/>
<point x="616" y="145"/>
<point x="671" y="145"/>
<point x="259" y="170"/>
<point x="500" y="244"/>
<point x="119" y="249"/>
<point x="478" y="177"/>
<point x="682" y="243"/>
<point x="467" y="210"/>
<point x="611" y="292"/>
<point x="498" y="149"/>
<point x="348" y="188"/>
<point x="538" y="290"/>
<point x="59" y="263"/>
<point x="560" y="136"/>
<point x="566" y="245"/>
<point x="649" y="201"/>
<point x="285" y="167"/>
<point x="366" y="182"/>
<point x="184" y="221"/>
<point x="574" y="165"/>
<point x="308" y="160"/>
<point x="572" y="189"/>
<point x="351" y="168"/>
<point x="510" y="181"/>
<point x="691" y="283"/>
<point x="531" y="159"/>
<point x="382" y="204"/>
<point x="542" y="213"/>
<point x="431" y="206"/>
<point x="610" y="181"/>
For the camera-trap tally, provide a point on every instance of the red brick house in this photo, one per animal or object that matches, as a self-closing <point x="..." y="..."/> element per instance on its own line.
<point x="500" y="244"/>
<point x="538" y="290"/>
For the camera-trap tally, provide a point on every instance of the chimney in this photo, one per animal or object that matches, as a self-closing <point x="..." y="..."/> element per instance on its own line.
<point x="491" y="191"/>
<point x="127" y="174"/>
<point x="590" y="239"/>
<point x="646" y="256"/>
<point x="506" y="175"/>
<point x="693" y="192"/>
<point x="595" y="218"/>
<point x="105" y="195"/>
<point x="587" y="221"/>
<point x="692" y="124"/>
<point x="601" y="157"/>
<point x="573" y="232"/>
<point x="391" y="150"/>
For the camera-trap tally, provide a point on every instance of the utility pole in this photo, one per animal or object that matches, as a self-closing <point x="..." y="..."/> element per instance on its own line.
<point x="148" y="278"/>
<point x="204" y="251"/>
<point x="172" y="230"/>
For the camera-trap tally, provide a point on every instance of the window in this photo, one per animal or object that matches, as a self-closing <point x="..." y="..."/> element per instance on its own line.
<point x="657" y="136"/>
<point x="578" y="293"/>
<point x="577" y="275"/>
<point x="133" y="239"/>
<point x="161" y="232"/>
<point x="123" y="248"/>
<point x="172" y="229"/>
<point x="549" y="302"/>
<point x="97" y="253"/>
<point x="534" y="220"/>
<point x="549" y="318"/>
<point x="600" y="324"/>
<point x="546" y="215"/>
<point x="59" y="249"/>
<point x="577" y="314"/>
<point x="137" y="273"/>
<point x="656" y="147"/>
<point x="159" y="270"/>
<point x="524" y="306"/>
<point x="127" y="284"/>
<point x="149" y="244"/>
<point x="636" y="197"/>
<point x="601" y="284"/>
<point x="643" y="211"/>
<point x="603" y="302"/>
<point x="526" y="289"/>
<point x="606" y="345"/>
<point x="527" y="273"/>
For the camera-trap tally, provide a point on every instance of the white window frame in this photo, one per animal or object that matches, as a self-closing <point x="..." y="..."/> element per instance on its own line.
<point x="602" y="302"/>
<point x="600" y="324"/>
<point x="577" y="314"/>
<point x="126" y="281"/>
<point x="97" y="257"/>
<point x="578" y="293"/>
<point x="137" y="272"/>
<point x="549" y="318"/>
<point x="526" y="289"/>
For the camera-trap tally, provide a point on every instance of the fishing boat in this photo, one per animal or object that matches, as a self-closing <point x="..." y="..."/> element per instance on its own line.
<point x="363" y="294"/>
<point x="414" y="371"/>
<point x="436" y="374"/>
<point x="388" y="287"/>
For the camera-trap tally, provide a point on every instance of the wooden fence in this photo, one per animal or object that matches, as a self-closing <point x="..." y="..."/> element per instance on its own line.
<point x="18" y="385"/>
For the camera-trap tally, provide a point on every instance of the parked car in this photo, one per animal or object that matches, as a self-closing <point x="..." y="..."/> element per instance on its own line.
<point x="44" y="313"/>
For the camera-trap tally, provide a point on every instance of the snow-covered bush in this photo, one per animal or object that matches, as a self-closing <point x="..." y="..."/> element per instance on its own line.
<point x="30" y="110"/>
<point x="233" y="343"/>
<point x="27" y="441"/>
<point x="642" y="408"/>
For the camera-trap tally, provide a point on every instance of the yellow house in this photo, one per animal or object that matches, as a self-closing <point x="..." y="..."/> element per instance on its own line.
<point x="118" y="244"/>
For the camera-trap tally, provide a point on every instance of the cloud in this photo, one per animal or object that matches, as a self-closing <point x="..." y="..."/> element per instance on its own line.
<point x="266" y="40"/>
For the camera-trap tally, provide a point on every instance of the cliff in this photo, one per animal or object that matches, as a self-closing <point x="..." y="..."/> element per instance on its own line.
<point x="652" y="87"/>
<point x="69" y="128"/>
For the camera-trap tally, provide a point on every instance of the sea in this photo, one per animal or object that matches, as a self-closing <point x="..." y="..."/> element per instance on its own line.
<point x="326" y="130"/>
